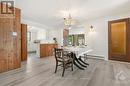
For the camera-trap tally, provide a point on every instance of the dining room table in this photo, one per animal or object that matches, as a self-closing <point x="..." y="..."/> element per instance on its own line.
<point x="78" y="52"/>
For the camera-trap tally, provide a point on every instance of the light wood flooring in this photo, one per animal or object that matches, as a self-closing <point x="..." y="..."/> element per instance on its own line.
<point x="40" y="72"/>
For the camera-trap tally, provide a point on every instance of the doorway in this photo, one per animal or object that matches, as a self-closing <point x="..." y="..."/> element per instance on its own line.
<point x="119" y="40"/>
<point x="31" y="38"/>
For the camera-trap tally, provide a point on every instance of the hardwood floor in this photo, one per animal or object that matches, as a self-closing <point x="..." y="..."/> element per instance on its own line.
<point x="40" y="72"/>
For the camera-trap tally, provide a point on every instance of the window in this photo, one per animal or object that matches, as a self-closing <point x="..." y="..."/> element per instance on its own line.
<point x="28" y="36"/>
<point x="76" y="39"/>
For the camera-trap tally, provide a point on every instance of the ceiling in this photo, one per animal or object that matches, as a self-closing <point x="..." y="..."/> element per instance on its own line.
<point x="51" y="12"/>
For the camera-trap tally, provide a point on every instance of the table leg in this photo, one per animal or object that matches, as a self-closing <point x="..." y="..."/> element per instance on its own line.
<point x="83" y="61"/>
<point x="76" y="62"/>
<point x="78" y="66"/>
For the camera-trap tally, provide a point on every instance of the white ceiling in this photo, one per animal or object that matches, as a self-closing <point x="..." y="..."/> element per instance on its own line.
<point x="51" y="12"/>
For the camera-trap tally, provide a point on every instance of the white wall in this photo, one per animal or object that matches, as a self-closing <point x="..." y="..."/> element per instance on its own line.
<point x="77" y="31"/>
<point x="32" y="23"/>
<point x="31" y="45"/>
<point x="41" y="34"/>
<point x="98" y="39"/>
<point x="36" y="34"/>
<point x="57" y="33"/>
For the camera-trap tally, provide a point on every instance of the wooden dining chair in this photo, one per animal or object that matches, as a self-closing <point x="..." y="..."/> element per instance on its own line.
<point x="63" y="59"/>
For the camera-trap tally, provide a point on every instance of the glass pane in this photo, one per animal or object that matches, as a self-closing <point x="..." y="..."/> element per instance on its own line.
<point x="81" y="39"/>
<point x="76" y="39"/>
<point x="118" y="38"/>
<point x="71" y="40"/>
<point x="28" y="37"/>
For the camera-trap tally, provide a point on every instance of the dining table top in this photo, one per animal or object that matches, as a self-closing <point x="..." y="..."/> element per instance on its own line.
<point x="78" y="50"/>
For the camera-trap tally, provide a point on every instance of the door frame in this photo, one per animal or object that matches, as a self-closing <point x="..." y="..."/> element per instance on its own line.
<point x="24" y="52"/>
<point x="127" y="20"/>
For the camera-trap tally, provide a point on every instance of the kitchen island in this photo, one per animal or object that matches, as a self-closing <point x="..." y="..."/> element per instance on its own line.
<point x="47" y="49"/>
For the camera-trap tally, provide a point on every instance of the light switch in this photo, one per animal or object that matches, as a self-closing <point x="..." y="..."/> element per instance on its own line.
<point x="14" y="34"/>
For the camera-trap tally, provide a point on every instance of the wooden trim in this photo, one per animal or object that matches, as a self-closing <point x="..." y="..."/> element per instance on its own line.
<point x="24" y="42"/>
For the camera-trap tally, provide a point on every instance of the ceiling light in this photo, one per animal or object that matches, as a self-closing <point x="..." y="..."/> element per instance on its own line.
<point x="69" y="21"/>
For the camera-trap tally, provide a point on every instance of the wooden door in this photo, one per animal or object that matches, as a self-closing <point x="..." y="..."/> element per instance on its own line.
<point x="119" y="40"/>
<point x="24" y="42"/>
<point x="10" y="42"/>
<point x="6" y="44"/>
<point x="17" y="39"/>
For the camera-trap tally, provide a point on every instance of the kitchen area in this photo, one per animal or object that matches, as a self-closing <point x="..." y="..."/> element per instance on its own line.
<point x="41" y="42"/>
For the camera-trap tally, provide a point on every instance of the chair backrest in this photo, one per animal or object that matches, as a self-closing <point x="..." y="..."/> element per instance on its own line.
<point x="58" y="54"/>
<point x="61" y="55"/>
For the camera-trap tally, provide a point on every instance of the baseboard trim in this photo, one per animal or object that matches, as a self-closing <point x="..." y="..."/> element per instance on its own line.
<point x="96" y="57"/>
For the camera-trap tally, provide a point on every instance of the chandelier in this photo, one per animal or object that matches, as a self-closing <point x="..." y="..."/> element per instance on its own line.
<point x="69" y="21"/>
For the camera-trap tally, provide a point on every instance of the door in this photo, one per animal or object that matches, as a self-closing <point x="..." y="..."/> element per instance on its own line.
<point x="10" y="41"/>
<point x="119" y="40"/>
<point x="6" y="45"/>
<point x="17" y="40"/>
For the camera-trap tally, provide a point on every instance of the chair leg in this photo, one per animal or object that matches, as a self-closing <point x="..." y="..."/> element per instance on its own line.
<point x="72" y="66"/>
<point x="56" y="67"/>
<point x="63" y="70"/>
